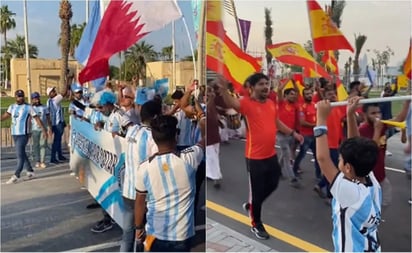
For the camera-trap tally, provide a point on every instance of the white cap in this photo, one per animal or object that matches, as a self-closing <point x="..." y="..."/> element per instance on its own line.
<point x="49" y="90"/>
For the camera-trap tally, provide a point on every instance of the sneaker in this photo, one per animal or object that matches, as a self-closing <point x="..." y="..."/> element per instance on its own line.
<point x="260" y="232"/>
<point x="101" y="227"/>
<point x="410" y="201"/>
<point x="72" y="174"/>
<point x="246" y="207"/>
<point x="387" y="153"/>
<point x="37" y="165"/>
<point x="43" y="165"/>
<point x="319" y="191"/>
<point x="30" y="175"/>
<point x="295" y="183"/>
<point x="12" y="180"/>
<point x="62" y="158"/>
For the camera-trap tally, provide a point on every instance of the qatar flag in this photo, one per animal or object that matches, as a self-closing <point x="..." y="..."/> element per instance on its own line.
<point x="122" y="24"/>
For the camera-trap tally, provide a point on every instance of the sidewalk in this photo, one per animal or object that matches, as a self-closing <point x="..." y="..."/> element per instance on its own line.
<point x="220" y="238"/>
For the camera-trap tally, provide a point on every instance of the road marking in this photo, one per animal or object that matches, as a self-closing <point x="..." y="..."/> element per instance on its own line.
<point x="97" y="247"/>
<point x="278" y="234"/>
<point x="387" y="168"/>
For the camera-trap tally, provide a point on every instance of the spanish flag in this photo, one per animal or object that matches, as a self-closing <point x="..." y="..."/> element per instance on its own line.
<point x="330" y="61"/>
<point x="222" y="54"/>
<point x="408" y="62"/>
<point x="308" y="72"/>
<point x="295" y="54"/>
<point x="325" y="33"/>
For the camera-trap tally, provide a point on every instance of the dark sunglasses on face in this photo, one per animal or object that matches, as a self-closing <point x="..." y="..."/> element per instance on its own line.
<point x="129" y="97"/>
<point x="19" y="96"/>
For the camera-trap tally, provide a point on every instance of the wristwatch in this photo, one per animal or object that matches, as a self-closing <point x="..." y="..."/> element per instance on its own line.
<point x="319" y="131"/>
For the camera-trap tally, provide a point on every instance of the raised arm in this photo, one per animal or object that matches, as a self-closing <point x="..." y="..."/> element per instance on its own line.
<point x="229" y="100"/>
<point x="351" y="118"/>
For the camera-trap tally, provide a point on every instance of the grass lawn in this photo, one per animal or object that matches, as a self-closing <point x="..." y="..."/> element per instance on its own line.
<point x="396" y="105"/>
<point x="6" y="101"/>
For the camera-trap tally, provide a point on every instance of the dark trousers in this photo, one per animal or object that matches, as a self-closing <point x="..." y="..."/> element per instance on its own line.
<point x="20" y="141"/>
<point x="170" y="246"/>
<point x="263" y="180"/>
<point x="308" y="143"/>
<point x="58" y="131"/>
<point x="200" y="177"/>
<point x="334" y="155"/>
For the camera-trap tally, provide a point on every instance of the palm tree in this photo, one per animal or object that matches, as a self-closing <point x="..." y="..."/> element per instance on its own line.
<point x="136" y="58"/>
<point x="190" y="57"/>
<point x="335" y="11"/>
<point x="65" y="14"/>
<point x="76" y="32"/>
<point x="359" y="42"/>
<point x="7" y="21"/>
<point x="167" y="53"/>
<point x="16" y="48"/>
<point x="268" y="34"/>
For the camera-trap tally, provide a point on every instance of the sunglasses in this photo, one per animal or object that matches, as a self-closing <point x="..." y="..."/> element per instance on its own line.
<point x="129" y="97"/>
<point x="20" y="96"/>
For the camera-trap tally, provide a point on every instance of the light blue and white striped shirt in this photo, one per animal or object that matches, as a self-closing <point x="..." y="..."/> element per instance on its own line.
<point x="356" y="214"/>
<point x="112" y="124"/>
<point x="55" y="109"/>
<point x="41" y="112"/>
<point x="21" y="118"/>
<point x="186" y="129"/>
<point x="170" y="183"/>
<point x="140" y="146"/>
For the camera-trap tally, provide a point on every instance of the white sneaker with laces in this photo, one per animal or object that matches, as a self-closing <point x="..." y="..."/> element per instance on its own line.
<point x="12" y="180"/>
<point x="30" y="175"/>
<point x="37" y="165"/>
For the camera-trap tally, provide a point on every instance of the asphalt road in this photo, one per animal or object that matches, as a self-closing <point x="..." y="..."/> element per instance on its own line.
<point x="49" y="214"/>
<point x="300" y="212"/>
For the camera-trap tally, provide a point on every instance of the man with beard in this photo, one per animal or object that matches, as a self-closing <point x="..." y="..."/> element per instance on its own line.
<point x="20" y="112"/>
<point x="373" y="129"/>
<point x="58" y="124"/>
<point x="261" y="161"/>
<point x="307" y="120"/>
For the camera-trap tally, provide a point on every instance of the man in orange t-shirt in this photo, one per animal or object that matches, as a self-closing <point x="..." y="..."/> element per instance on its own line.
<point x="261" y="161"/>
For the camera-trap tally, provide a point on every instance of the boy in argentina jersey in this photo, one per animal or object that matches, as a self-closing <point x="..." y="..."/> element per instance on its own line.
<point x="140" y="146"/>
<point x="357" y="196"/>
<point x="165" y="185"/>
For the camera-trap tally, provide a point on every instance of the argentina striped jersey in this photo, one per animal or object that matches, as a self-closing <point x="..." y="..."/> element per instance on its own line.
<point x="356" y="214"/>
<point x="140" y="146"/>
<point x="170" y="183"/>
<point x="55" y="109"/>
<point x="186" y="128"/>
<point x="41" y="112"/>
<point x="21" y="118"/>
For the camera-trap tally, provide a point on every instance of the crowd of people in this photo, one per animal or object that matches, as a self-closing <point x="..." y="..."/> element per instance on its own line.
<point x="348" y="143"/>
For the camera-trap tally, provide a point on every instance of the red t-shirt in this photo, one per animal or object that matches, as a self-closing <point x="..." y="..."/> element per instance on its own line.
<point x="288" y="113"/>
<point x="367" y="130"/>
<point x="316" y="98"/>
<point x="261" y="128"/>
<point x="334" y="124"/>
<point x="307" y="111"/>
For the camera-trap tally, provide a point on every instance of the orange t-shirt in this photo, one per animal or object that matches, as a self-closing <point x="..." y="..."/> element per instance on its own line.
<point x="261" y="128"/>
<point x="316" y="98"/>
<point x="288" y="113"/>
<point x="308" y="112"/>
<point x="334" y="124"/>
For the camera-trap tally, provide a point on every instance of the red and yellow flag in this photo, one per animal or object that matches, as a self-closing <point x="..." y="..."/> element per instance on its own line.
<point x="408" y="62"/>
<point x="325" y="34"/>
<point x="222" y="54"/>
<point x="295" y="54"/>
<point x="330" y="61"/>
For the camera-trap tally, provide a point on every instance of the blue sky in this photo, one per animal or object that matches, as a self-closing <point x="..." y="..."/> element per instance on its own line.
<point x="44" y="26"/>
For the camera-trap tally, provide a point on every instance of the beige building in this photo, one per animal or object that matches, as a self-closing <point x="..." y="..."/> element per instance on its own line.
<point x="44" y="73"/>
<point x="184" y="72"/>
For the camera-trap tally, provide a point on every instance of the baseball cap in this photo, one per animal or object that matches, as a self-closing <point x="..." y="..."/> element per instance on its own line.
<point x="107" y="98"/>
<point x="49" y="90"/>
<point x="76" y="87"/>
<point x="35" y="95"/>
<point x="19" y="93"/>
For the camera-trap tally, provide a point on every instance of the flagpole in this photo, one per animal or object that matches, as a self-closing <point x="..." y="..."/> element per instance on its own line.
<point x="173" y="57"/>
<point x="87" y="11"/>
<point x="201" y="45"/>
<point x="191" y="47"/>
<point x="26" y="42"/>
<point x="239" y="34"/>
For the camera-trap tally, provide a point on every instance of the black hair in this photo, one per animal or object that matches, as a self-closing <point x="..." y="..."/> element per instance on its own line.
<point x="288" y="91"/>
<point x="164" y="129"/>
<point x="366" y="106"/>
<point x="323" y="82"/>
<point x="306" y="89"/>
<point x="361" y="153"/>
<point x="255" y="78"/>
<point x="178" y="94"/>
<point x="353" y="84"/>
<point x="150" y="109"/>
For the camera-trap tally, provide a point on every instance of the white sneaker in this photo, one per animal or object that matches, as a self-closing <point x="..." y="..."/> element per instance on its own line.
<point x="72" y="174"/>
<point x="12" y="180"/>
<point x="387" y="153"/>
<point x="43" y="165"/>
<point x="30" y="175"/>
<point x="37" y="165"/>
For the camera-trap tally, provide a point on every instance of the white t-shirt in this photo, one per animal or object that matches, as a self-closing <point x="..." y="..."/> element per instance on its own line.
<point x="170" y="183"/>
<point x="356" y="214"/>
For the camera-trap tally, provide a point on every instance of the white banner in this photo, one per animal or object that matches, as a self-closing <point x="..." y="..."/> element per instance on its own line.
<point x="102" y="158"/>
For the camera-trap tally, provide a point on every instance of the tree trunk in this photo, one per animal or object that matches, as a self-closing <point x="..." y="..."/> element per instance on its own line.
<point x="65" y="45"/>
<point x="356" y="69"/>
